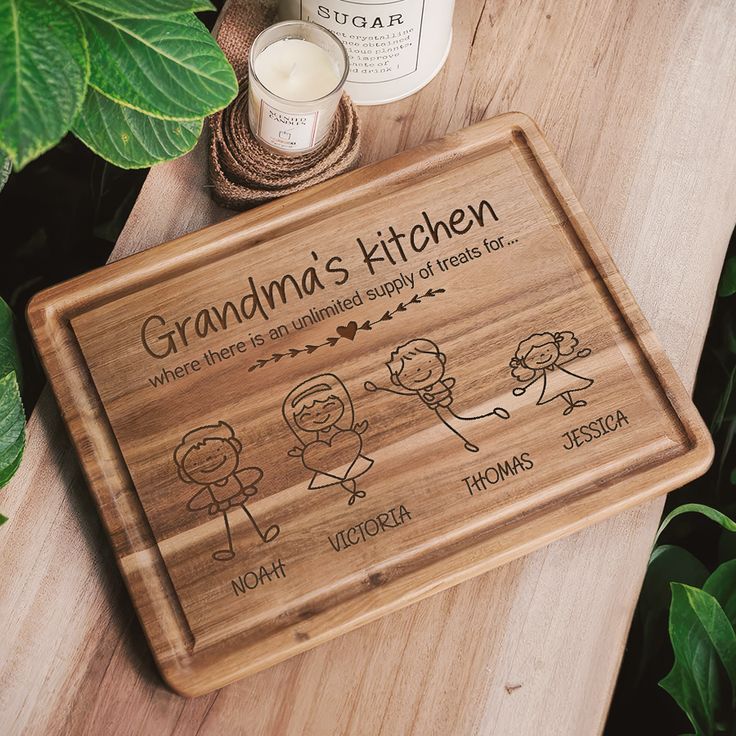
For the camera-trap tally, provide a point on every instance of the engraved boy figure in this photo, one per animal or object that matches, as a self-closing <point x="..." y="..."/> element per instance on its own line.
<point x="417" y="368"/>
<point x="210" y="457"/>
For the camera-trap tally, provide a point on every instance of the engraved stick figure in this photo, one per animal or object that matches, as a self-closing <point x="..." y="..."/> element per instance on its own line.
<point x="320" y="413"/>
<point x="539" y="358"/>
<point x="209" y="456"/>
<point x="417" y="368"/>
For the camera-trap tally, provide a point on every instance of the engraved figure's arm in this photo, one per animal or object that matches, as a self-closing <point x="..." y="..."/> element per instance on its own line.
<point x="370" y="386"/>
<point x="203" y="499"/>
<point x="584" y="353"/>
<point x="519" y="390"/>
<point x="248" y="478"/>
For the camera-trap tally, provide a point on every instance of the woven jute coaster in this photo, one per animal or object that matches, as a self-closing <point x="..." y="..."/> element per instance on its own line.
<point x="242" y="172"/>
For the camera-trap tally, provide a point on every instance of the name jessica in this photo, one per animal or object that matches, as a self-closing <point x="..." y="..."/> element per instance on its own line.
<point x="596" y="429"/>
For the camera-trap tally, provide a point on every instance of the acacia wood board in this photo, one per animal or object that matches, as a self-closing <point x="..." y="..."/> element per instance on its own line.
<point x="322" y="410"/>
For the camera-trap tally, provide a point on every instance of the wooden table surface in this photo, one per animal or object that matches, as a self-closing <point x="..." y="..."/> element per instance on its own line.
<point x="638" y="99"/>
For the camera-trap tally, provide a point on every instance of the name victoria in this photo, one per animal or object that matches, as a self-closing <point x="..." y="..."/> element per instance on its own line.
<point x="363" y="531"/>
<point x="596" y="429"/>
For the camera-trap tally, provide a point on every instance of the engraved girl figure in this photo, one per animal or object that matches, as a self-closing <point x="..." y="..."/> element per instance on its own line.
<point x="209" y="457"/>
<point x="538" y="362"/>
<point x="320" y="413"/>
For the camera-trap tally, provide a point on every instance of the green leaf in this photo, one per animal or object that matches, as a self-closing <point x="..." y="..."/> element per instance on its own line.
<point x="9" y="356"/>
<point x="128" y="138"/>
<point x="12" y="418"/>
<point x="698" y="508"/>
<point x="12" y="427"/>
<point x="727" y="284"/>
<point x="723" y="403"/>
<point x="145" y="8"/>
<point x="722" y="586"/>
<point x="43" y="75"/>
<point x="667" y="564"/>
<point x="702" y="640"/>
<point x="170" y="68"/>
<point x="6" y="167"/>
<point x="726" y="546"/>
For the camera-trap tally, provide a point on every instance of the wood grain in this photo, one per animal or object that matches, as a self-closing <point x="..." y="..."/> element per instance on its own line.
<point x="493" y="285"/>
<point x="635" y="98"/>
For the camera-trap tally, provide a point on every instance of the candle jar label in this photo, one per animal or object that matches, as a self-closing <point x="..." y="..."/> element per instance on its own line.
<point x="287" y="131"/>
<point x="382" y="40"/>
<point x="395" y="47"/>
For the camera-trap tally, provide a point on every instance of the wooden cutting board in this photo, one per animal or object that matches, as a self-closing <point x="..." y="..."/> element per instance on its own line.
<point x="334" y="405"/>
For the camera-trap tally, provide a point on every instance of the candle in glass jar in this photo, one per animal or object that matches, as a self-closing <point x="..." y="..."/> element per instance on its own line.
<point x="297" y="71"/>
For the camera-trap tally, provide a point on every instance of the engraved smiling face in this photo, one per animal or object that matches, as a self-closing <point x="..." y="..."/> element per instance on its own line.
<point x="321" y="414"/>
<point x="211" y="461"/>
<point x="542" y="356"/>
<point x="420" y="371"/>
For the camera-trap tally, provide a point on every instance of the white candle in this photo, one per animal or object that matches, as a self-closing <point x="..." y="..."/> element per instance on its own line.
<point x="296" y="70"/>
<point x="296" y="74"/>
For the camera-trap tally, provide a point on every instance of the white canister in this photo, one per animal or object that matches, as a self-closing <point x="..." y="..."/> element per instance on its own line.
<point x="395" y="46"/>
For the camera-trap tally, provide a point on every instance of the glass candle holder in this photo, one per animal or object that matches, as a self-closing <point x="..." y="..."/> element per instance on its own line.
<point x="297" y="71"/>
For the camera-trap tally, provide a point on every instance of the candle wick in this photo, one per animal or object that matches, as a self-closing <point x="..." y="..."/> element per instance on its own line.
<point x="292" y="70"/>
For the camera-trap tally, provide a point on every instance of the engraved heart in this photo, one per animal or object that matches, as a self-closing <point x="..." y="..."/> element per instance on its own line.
<point x="340" y="452"/>
<point x="348" y="330"/>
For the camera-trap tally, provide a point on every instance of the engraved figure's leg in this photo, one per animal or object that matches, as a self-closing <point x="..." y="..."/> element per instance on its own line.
<point x="352" y="488"/>
<point x="222" y="555"/>
<point x="568" y="400"/>
<point x="469" y="446"/>
<point x="270" y="534"/>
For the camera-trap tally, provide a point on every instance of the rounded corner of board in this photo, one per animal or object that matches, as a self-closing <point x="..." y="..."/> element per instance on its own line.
<point x="181" y="677"/>
<point x="523" y="123"/>
<point x="39" y="310"/>
<point x="703" y="452"/>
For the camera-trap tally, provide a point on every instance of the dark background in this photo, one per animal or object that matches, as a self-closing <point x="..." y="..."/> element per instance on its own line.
<point x="61" y="216"/>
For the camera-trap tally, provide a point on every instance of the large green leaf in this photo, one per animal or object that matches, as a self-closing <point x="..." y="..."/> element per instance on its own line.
<point x="128" y="138"/>
<point x="698" y="508"/>
<point x="170" y="67"/>
<point x="722" y="586"/>
<point x="12" y="428"/>
<point x="9" y="357"/>
<point x="43" y="75"/>
<point x="145" y="8"/>
<point x="12" y="418"/>
<point x="6" y="167"/>
<point x="667" y="564"/>
<point x="727" y="284"/>
<point x="703" y="641"/>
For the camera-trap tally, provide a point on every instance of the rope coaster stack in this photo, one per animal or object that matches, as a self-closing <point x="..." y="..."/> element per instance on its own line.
<point x="242" y="172"/>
